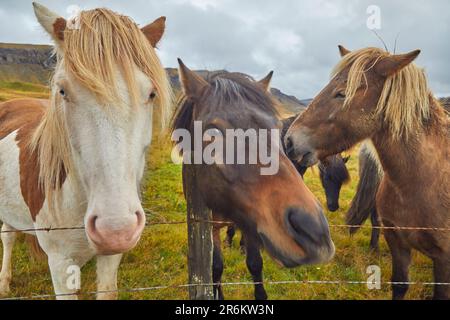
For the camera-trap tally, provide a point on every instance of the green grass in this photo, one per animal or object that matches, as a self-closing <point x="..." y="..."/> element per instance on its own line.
<point x="160" y="257"/>
<point x="15" y="89"/>
<point x="23" y="87"/>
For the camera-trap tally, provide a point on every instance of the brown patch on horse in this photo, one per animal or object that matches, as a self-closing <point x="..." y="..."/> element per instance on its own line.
<point x="24" y="115"/>
<point x="36" y="251"/>
<point x="59" y="26"/>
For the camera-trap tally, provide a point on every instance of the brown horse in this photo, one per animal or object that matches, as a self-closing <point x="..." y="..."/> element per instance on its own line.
<point x="385" y="97"/>
<point x="333" y="175"/>
<point x="371" y="173"/>
<point x="288" y="222"/>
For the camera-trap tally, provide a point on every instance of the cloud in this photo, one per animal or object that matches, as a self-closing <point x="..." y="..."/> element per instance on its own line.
<point x="296" y="39"/>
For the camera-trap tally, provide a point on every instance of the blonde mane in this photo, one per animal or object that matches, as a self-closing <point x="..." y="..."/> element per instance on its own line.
<point x="102" y="44"/>
<point x="405" y="102"/>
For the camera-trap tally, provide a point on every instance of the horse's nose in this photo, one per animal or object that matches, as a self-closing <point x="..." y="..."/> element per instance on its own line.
<point x="312" y="233"/>
<point x="299" y="150"/>
<point x="115" y="234"/>
<point x="333" y="206"/>
<point x="289" y="146"/>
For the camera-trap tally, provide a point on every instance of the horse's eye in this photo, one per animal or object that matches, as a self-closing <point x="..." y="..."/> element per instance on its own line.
<point x="340" y="95"/>
<point x="152" y="95"/>
<point x="213" y="132"/>
<point x="62" y="92"/>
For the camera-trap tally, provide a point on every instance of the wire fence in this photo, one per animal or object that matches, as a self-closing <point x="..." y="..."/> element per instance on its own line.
<point x="226" y="223"/>
<point x="223" y="284"/>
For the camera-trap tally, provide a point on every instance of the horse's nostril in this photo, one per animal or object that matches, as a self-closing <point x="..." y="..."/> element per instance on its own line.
<point x="140" y="215"/>
<point x="289" y="145"/>
<point x="91" y="222"/>
<point x="304" y="225"/>
<point x="333" y="207"/>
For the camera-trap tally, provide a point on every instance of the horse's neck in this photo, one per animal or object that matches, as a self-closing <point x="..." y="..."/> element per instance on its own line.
<point x="413" y="160"/>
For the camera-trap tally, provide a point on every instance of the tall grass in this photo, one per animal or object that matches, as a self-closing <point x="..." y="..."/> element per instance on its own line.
<point x="13" y="90"/>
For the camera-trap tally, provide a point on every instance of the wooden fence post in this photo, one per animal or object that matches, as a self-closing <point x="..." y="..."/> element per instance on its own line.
<point x="200" y="243"/>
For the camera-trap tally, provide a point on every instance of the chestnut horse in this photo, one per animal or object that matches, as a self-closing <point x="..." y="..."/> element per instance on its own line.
<point x="78" y="159"/>
<point x="288" y="222"/>
<point x="385" y="97"/>
<point x="371" y="173"/>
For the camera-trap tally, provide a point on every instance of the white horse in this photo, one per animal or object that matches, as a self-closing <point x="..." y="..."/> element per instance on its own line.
<point x="78" y="159"/>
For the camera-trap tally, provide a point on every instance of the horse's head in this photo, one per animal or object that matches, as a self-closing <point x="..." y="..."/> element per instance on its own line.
<point x="108" y="79"/>
<point x="333" y="175"/>
<point x="370" y="90"/>
<point x="333" y="172"/>
<point x="276" y="209"/>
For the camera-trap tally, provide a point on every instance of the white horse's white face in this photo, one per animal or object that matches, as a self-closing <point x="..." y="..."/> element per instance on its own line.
<point x="108" y="145"/>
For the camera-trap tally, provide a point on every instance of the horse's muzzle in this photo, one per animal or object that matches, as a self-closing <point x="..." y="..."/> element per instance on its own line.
<point x="114" y="235"/>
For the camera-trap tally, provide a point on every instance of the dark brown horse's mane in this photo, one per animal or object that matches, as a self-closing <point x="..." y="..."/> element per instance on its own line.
<point x="225" y="88"/>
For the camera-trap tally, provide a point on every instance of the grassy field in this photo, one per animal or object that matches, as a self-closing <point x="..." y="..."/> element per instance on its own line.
<point x="14" y="90"/>
<point x="160" y="257"/>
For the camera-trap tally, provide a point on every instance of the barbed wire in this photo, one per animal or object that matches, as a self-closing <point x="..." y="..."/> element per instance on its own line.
<point x="228" y="223"/>
<point x="239" y="283"/>
<point x="224" y="223"/>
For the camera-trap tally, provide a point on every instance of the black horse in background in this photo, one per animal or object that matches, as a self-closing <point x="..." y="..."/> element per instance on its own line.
<point x="363" y="204"/>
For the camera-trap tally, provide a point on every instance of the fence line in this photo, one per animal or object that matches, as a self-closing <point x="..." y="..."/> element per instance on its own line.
<point x="228" y="223"/>
<point x="181" y="286"/>
<point x="230" y="284"/>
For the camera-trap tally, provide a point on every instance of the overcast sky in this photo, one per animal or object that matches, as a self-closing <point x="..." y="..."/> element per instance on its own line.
<point x="296" y="38"/>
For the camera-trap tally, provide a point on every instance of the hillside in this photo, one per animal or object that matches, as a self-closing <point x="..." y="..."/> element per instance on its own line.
<point x="34" y="64"/>
<point x="26" y="63"/>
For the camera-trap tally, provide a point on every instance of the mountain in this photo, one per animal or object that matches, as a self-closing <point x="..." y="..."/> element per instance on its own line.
<point x="446" y="103"/>
<point x="26" y="63"/>
<point x="34" y="64"/>
<point x="288" y="105"/>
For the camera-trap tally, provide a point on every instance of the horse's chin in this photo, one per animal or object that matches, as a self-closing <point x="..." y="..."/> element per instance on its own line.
<point x="308" y="160"/>
<point x="277" y="255"/>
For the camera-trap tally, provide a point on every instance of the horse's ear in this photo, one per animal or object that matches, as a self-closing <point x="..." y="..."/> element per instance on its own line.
<point x="343" y="51"/>
<point x="191" y="82"/>
<point x="50" y="21"/>
<point x="155" y="30"/>
<point x="345" y="159"/>
<point x="392" y="64"/>
<point x="266" y="81"/>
